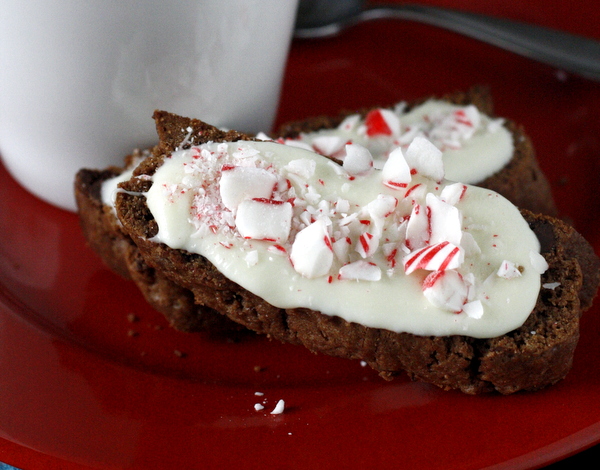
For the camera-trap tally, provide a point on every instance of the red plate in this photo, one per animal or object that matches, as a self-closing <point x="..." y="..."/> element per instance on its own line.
<point x="81" y="385"/>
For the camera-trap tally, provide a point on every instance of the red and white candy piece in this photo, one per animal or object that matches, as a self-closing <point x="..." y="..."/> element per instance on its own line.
<point x="417" y="228"/>
<point x="367" y="244"/>
<point x="302" y="167"/>
<point x="381" y="207"/>
<point x="382" y="122"/>
<point x="446" y="290"/>
<point x="390" y="252"/>
<point x="469" y="244"/>
<point x="473" y="309"/>
<point x="312" y="252"/>
<point x="251" y="258"/>
<point x="425" y="158"/>
<point x="538" y="262"/>
<point x="508" y="270"/>
<point x="264" y="219"/>
<point x="415" y="192"/>
<point x="439" y="257"/>
<point x="349" y="123"/>
<point x="341" y="248"/>
<point x="396" y="172"/>
<point x="453" y="193"/>
<point x="342" y="206"/>
<point x="467" y="119"/>
<point x="277" y="249"/>
<point x="246" y="151"/>
<point x="361" y="270"/>
<point x="238" y="183"/>
<point x="434" y="223"/>
<point x="445" y="221"/>
<point x="358" y="160"/>
<point x="328" y="144"/>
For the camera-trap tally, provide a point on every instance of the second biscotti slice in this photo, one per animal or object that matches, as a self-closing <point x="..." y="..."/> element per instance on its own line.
<point x="478" y="148"/>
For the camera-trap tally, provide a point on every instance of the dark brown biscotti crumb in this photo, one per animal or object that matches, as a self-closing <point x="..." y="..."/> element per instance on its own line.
<point x="532" y="357"/>
<point x="132" y="318"/>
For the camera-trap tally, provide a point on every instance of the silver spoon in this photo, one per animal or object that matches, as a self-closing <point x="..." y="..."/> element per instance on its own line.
<point x="577" y="54"/>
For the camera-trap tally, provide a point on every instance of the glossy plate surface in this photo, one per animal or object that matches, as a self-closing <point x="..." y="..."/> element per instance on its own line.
<point x="90" y="376"/>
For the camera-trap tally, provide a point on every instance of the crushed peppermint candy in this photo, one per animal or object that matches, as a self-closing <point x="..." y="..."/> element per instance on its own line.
<point x="440" y="257"/>
<point x="446" y="289"/>
<point x="538" y="262"/>
<point x="450" y="128"/>
<point x="239" y="183"/>
<point x="551" y="285"/>
<point x="447" y="127"/>
<point x="382" y="122"/>
<point x="360" y="271"/>
<point x="509" y="270"/>
<point x="358" y="159"/>
<point x="395" y="171"/>
<point x="279" y="408"/>
<point x="312" y="251"/>
<point x="425" y="158"/>
<point x="473" y="309"/>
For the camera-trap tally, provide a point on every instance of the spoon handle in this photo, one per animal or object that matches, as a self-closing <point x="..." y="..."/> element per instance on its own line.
<point x="563" y="50"/>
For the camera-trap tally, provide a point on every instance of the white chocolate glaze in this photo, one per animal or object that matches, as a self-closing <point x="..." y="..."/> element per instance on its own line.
<point x="186" y="203"/>
<point x="474" y="145"/>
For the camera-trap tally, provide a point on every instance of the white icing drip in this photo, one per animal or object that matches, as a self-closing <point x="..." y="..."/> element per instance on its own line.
<point x="186" y="204"/>
<point x="109" y="188"/>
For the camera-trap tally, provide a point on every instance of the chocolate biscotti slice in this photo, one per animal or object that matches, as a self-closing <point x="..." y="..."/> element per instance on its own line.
<point x="395" y="266"/>
<point x="105" y="236"/>
<point x="479" y="149"/>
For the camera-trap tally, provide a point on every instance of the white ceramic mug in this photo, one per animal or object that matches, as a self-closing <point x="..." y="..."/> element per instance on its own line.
<point x="79" y="80"/>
